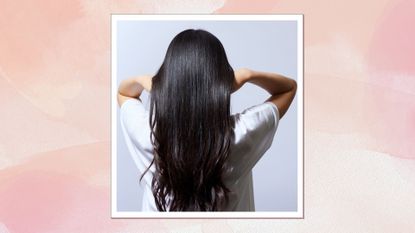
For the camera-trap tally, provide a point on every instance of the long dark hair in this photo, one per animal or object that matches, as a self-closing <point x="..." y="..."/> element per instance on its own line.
<point x="191" y="125"/>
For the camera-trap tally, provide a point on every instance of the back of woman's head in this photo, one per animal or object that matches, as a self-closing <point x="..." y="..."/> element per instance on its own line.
<point x="191" y="125"/>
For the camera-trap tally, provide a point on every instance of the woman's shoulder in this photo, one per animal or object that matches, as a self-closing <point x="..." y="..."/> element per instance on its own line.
<point x="261" y="115"/>
<point x="254" y="130"/>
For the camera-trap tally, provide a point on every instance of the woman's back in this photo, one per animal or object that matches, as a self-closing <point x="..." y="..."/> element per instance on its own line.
<point x="254" y="131"/>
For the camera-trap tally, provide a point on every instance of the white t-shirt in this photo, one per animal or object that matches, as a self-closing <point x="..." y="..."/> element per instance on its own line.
<point x="255" y="128"/>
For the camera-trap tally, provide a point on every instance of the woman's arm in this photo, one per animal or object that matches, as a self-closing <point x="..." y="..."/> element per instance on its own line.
<point x="281" y="88"/>
<point x="133" y="87"/>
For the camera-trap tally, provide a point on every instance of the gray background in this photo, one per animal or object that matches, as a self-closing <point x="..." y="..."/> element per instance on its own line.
<point x="260" y="45"/>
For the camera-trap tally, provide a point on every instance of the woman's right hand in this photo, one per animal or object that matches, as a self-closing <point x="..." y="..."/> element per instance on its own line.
<point x="145" y="81"/>
<point x="241" y="77"/>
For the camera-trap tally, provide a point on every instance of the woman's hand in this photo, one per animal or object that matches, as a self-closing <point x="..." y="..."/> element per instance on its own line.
<point x="242" y="75"/>
<point x="145" y="81"/>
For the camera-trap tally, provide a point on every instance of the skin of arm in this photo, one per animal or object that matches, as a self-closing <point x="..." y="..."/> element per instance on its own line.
<point x="132" y="88"/>
<point x="281" y="88"/>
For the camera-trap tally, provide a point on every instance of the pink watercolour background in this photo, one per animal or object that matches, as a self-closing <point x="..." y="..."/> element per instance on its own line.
<point x="359" y="116"/>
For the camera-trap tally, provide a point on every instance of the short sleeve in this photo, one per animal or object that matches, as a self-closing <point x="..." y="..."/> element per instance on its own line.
<point x="133" y="117"/>
<point x="254" y="132"/>
<point x="135" y="129"/>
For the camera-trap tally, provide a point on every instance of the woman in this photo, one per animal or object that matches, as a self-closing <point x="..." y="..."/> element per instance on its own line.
<point x="193" y="154"/>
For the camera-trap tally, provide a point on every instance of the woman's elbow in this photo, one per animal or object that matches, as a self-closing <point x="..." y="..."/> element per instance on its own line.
<point x="293" y="85"/>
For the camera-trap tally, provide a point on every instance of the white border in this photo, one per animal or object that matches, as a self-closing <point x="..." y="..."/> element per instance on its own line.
<point x="300" y="143"/>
